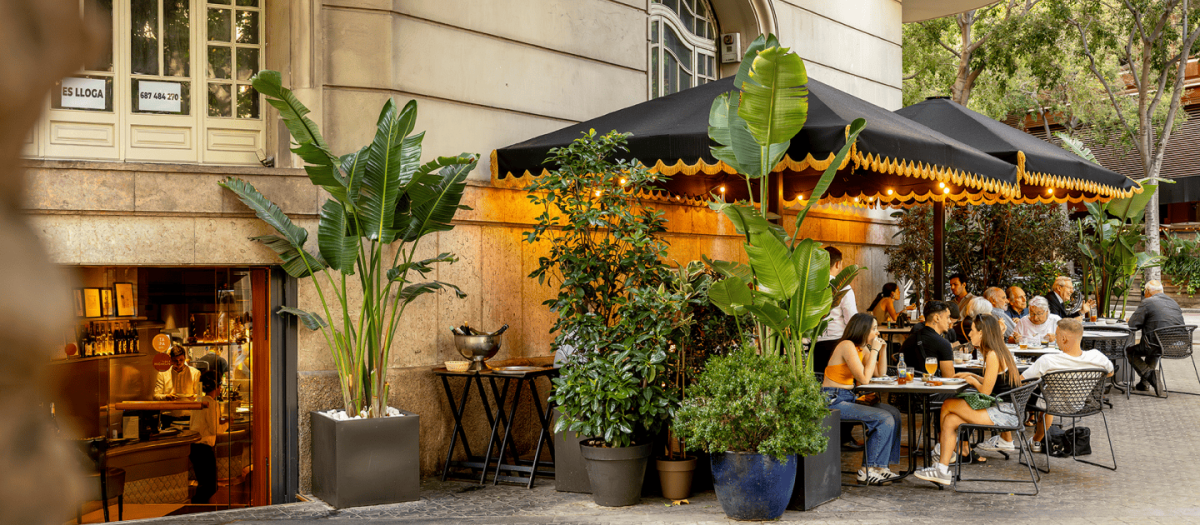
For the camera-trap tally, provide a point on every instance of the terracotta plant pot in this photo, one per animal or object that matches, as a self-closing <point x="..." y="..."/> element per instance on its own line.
<point x="675" y="477"/>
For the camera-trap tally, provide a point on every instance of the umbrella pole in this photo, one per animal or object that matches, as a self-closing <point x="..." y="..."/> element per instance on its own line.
<point x="939" y="249"/>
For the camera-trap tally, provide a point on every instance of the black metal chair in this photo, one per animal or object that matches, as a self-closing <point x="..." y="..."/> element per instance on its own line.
<point x="1113" y="347"/>
<point x="1074" y="394"/>
<point x="1175" y="342"/>
<point x="110" y="482"/>
<point x="1018" y="397"/>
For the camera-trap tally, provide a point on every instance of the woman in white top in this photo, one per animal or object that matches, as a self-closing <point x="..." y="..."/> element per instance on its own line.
<point x="1040" y="324"/>
<point x="206" y="422"/>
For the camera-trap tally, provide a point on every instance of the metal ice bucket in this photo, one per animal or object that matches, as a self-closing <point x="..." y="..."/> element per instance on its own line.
<point x="478" y="348"/>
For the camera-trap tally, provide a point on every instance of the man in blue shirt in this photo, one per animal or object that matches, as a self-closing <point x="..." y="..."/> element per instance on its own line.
<point x="1018" y="306"/>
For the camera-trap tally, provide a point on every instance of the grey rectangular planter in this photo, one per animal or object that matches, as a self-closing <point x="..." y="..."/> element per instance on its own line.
<point x="366" y="461"/>
<point x="570" y="473"/>
<point x="819" y="477"/>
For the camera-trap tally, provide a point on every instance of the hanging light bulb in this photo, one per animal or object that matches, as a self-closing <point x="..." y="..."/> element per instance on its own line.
<point x="945" y="190"/>
<point x="941" y="184"/>
<point x="890" y="191"/>
<point x="1049" y="191"/>
<point x="722" y="189"/>
<point x="622" y="181"/>
<point x="598" y="192"/>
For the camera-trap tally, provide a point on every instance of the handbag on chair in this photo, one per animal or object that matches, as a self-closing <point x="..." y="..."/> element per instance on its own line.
<point x="1076" y="441"/>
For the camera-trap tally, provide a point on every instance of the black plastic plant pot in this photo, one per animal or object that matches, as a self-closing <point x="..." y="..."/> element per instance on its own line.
<point x="570" y="474"/>
<point x="360" y="462"/>
<point x="753" y="486"/>
<point x="819" y="477"/>
<point x="615" y="474"/>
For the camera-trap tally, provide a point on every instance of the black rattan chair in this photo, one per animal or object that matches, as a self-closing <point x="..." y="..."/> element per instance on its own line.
<point x="1018" y="397"/>
<point x="1075" y="394"/>
<point x="1175" y="342"/>
<point x="1113" y="347"/>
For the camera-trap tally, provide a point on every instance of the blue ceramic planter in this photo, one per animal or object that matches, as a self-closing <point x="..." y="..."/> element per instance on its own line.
<point x="753" y="486"/>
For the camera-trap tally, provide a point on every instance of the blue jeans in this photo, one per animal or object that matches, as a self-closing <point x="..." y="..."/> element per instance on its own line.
<point x="882" y="421"/>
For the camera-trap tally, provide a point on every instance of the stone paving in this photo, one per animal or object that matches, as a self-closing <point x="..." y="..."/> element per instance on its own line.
<point x="1157" y="443"/>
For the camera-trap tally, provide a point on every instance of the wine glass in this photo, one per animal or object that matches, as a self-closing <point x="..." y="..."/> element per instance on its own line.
<point x="931" y="365"/>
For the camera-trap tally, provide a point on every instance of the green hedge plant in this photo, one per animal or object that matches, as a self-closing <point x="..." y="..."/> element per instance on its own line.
<point x="746" y="402"/>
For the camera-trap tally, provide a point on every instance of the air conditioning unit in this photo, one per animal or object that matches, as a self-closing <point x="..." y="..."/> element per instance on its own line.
<point x="731" y="48"/>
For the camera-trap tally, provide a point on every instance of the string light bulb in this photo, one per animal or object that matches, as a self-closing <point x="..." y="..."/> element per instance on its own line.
<point x="800" y="197"/>
<point x="622" y="181"/>
<point x="722" y="189"/>
<point x="945" y="190"/>
<point x="941" y="184"/>
<point x="598" y="192"/>
<point x="1049" y="191"/>
<point x="890" y="191"/>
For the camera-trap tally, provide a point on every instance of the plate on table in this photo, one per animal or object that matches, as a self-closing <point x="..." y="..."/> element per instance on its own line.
<point x="952" y="380"/>
<point x="883" y="380"/>
<point x="517" y="369"/>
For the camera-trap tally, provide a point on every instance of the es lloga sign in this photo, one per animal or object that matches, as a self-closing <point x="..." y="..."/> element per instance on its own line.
<point x="83" y="93"/>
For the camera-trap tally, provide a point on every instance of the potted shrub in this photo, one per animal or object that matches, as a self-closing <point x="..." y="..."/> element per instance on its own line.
<point x="602" y="243"/>
<point x="617" y="398"/>
<point x="753" y="414"/>
<point x="698" y="329"/>
<point x="785" y="287"/>
<point x="384" y="202"/>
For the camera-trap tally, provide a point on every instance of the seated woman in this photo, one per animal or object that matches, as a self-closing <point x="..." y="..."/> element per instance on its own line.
<point x="855" y="360"/>
<point x="884" y="307"/>
<point x="999" y="374"/>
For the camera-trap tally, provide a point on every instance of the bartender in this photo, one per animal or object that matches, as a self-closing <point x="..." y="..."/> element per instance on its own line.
<point x="178" y="383"/>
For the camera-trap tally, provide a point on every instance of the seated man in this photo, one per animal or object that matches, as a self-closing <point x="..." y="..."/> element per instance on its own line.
<point x="1069" y="336"/>
<point x="1060" y="293"/>
<point x="1156" y="311"/>
<point x="927" y="340"/>
<point x="1017" y="307"/>
<point x="958" y="287"/>
<point x="999" y="302"/>
<point x="181" y="382"/>
<point x="1039" y="324"/>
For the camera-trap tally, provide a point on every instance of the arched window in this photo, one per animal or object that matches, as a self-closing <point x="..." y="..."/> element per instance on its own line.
<point x="683" y="45"/>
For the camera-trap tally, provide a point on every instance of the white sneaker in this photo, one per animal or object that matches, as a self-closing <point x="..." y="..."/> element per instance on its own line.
<point x="1035" y="446"/>
<point x="937" y="454"/>
<point x="997" y="444"/>
<point x="876" y="476"/>
<point x="935" y="475"/>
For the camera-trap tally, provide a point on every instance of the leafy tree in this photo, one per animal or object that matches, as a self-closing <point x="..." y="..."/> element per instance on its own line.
<point x="999" y="245"/>
<point x="1137" y="50"/>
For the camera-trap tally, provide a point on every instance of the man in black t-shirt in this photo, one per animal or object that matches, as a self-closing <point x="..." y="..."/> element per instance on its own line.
<point x="928" y="341"/>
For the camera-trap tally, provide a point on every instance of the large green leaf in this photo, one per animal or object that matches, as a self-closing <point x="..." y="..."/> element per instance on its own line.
<point x="310" y="320"/>
<point x="842" y="280"/>
<point x="422" y="267"/>
<point x="732" y="296"/>
<point x="826" y="179"/>
<point x="411" y="292"/>
<point x="381" y="183"/>
<point x="814" y="297"/>
<point x="775" y="99"/>
<point x="436" y="198"/>
<point x="760" y="43"/>
<point x="338" y="248"/>
<point x="324" y="166"/>
<point x="355" y="165"/>
<point x="774" y="271"/>
<point x="746" y="219"/>
<point x="297" y="262"/>
<point x="1129" y="207"/>
<point x="730" y="269"/>
<point x="719" y="124"/>
<point x="771" y="315"/>
<point x="267" y="211"/>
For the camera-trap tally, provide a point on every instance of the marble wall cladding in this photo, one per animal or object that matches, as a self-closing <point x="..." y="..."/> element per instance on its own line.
<point x="72" y="189"/>
<point x="466" y="243"/>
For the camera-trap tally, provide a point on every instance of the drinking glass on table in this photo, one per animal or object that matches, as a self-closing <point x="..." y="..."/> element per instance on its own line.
<point x="931" y="366"/>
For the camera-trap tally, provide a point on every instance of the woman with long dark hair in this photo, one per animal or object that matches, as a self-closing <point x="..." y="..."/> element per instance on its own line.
<point x="858" y="357"/>
<point x="884" y="307"/>
<point x="999" y="374"/>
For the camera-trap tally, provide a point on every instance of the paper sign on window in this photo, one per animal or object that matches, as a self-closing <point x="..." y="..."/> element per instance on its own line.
<point x="83" y="93"/>
<point x="159" y="96"/>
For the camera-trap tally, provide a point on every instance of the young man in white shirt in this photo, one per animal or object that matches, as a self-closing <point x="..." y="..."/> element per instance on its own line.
<point x="1073" y="357"/>
<point x="839" y="315"/>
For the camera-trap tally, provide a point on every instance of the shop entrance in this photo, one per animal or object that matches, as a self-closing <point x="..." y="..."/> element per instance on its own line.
<point x="166" y="380"/>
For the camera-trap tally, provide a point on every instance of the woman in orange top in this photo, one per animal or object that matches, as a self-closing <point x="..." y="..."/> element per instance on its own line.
<point x="858" y="357"/>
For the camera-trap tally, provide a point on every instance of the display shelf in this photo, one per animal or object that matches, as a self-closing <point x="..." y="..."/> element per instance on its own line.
<point x="93" y="358"/>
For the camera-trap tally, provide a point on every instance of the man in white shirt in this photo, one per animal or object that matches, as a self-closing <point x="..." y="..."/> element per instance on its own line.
<point x="181" y="382"/>
<point x="839" y="315"/>
<point x="1073" y="357"/>
<point x="1039" y="324"/>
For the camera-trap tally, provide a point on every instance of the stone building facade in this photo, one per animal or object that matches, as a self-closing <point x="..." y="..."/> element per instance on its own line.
<point x="127" y="187"/>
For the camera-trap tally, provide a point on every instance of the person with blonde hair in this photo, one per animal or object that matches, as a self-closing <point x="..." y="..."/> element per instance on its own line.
<point x="1069" y="336"/>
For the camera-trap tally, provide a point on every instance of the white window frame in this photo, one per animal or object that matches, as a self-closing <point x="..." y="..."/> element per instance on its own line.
<point x="699" y="47"/>
<point x="124" y="135"/>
